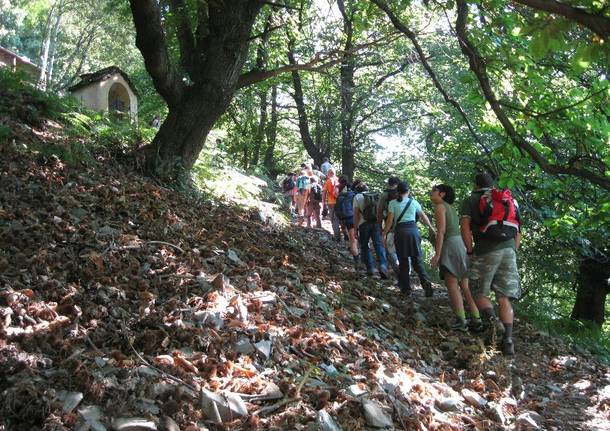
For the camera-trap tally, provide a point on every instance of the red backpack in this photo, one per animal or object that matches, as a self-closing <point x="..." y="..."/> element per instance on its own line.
<point x="499" y="215"/>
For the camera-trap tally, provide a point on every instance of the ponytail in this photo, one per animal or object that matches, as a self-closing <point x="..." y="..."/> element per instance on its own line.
<point x="402" y="189"/>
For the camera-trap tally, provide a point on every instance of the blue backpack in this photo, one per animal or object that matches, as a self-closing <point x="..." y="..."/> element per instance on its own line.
<point x="344" y="208"/>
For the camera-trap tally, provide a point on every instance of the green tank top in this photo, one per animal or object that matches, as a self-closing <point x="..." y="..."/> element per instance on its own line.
<point x="452" y="222"/>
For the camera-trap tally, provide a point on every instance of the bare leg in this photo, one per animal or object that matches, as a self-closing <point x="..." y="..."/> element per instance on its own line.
<point x="505" y="310"/>
<point x="353" y="243"/>
<point x="472" y="305"/>
<point x="483" y="303"/>
<point x="457" y="305"/>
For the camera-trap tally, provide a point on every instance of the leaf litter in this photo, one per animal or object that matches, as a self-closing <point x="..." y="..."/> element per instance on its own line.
<point x="128" y="306"/>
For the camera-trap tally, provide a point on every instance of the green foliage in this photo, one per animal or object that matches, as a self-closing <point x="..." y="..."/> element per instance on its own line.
<point x="583" y="334"/>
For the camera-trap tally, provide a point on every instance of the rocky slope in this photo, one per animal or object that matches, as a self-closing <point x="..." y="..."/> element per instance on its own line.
<point x="128" y="306"/>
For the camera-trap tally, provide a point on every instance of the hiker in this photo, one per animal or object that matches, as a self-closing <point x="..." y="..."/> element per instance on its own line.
<point x="344" y="210"/>
<point x="289" y="189"/>
<point x="303" y="186"/>
<point x="451" y="256"/>
<point x="326" y="165"/>
<point x="331" y="190"/>
<point x="402" y="214"/>
<point x="382" y="212"/>
<point x="365" y="218"/>
<point x="317" y="173"/>
<point x="490" y="229"/>
<point x="314" y="201"/>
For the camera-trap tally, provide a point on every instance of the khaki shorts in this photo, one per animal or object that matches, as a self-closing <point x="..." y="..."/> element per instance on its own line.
<point x="497" y="271"/>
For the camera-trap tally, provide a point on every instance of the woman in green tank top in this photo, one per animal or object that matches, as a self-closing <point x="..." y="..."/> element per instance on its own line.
<point x="451" y="255"/>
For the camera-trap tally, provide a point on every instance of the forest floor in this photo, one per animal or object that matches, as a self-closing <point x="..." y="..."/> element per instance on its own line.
<point x="128" y="306"/>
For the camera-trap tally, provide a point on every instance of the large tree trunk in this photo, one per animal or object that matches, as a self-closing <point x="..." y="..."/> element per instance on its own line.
<point x="592" y="288"/>
<point x="271" y="134"/>
<point x="212" y="57"/>
<point x="347" y="88"/>
<point x="180" y="139"/>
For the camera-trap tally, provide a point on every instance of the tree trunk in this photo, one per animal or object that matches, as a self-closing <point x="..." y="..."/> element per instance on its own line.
<point x="592" y="288"/>
<point x="259" y="136"/>
<point x="311" y="148"/>
<point x="177" y="145"/>
<point x="347" y="87"/>
<point x="271" y="134"/>
<point x="48" y="44"/>
<point x="213" y="56"/>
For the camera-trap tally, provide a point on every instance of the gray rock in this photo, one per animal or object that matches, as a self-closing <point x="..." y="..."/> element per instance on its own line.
<point x="91" y="416"/>
<point x="326" y="422"/>
<point x="211" y="319"/>
<point x="357" y="390"/>
<point x="315" y="383"/>
<point x="244" y="346"/>
<point x="496" y="413"/>
<point x="108" y="231"/>
<point x="297" y="312"/>
<point x="133" y="424"/>
<point x="473" y="398"/>
<point x="71" y="400"/>
<point x="234" y="258"/>
<point x="159" y="389"/>
<point x="263" y="348"/>
<point x="554" y="388"/>
<point x="222" y="407"/>
<point x="529" y="420"/>
<point x="168" y="424"/>
<point x="449" y="404"/>
<point x="375" y="415"/>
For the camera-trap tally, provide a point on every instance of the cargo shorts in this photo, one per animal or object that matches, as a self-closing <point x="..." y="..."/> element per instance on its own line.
<point x="497" y="271"/>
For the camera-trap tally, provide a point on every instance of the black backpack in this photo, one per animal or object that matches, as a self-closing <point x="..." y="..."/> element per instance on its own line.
<point x="288" y="184"/>
<point x="369" y="210"/>
<point x="316" y="193"/>
<point x="392" y="195"/>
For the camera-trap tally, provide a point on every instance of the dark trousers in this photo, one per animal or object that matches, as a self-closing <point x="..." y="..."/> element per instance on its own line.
<point x="407" y="241"/>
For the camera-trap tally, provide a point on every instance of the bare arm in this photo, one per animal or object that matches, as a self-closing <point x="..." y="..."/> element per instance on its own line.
<point x="466" y="233"/>
<point x="388" y="224"/>
<point x="356" y="219"/>
<point x="517" y="240"/>
<point x="440" y="221"/>
<point x="425" y="219"/>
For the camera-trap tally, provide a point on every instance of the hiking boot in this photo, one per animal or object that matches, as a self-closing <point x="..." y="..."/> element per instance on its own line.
<point x="428" y="289"/>
<point x="508" y="347"/>
<point x="458" y="325"/>
<point x="494" y="331"/>
<point x="383" y="275"/>
<point x="475" y="326"/>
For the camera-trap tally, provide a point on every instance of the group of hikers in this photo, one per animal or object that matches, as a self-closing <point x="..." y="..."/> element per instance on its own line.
<point x="475" y="251"/>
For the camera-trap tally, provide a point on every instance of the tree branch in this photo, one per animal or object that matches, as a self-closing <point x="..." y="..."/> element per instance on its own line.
<point x="185" y="36"/>
<point x="318" y="63"/>
<point x="150" y="40"/>
<point x="409" y="61"/>
<point x="598" y="24"/>
<point x="477" y="65"/>
<point x="422" y="58"/>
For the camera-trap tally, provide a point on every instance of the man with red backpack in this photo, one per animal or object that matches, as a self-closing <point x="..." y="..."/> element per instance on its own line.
<point x="490" y="229"/>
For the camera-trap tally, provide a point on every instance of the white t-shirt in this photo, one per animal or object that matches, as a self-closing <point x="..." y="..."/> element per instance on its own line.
<point x="358" y="202"/>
